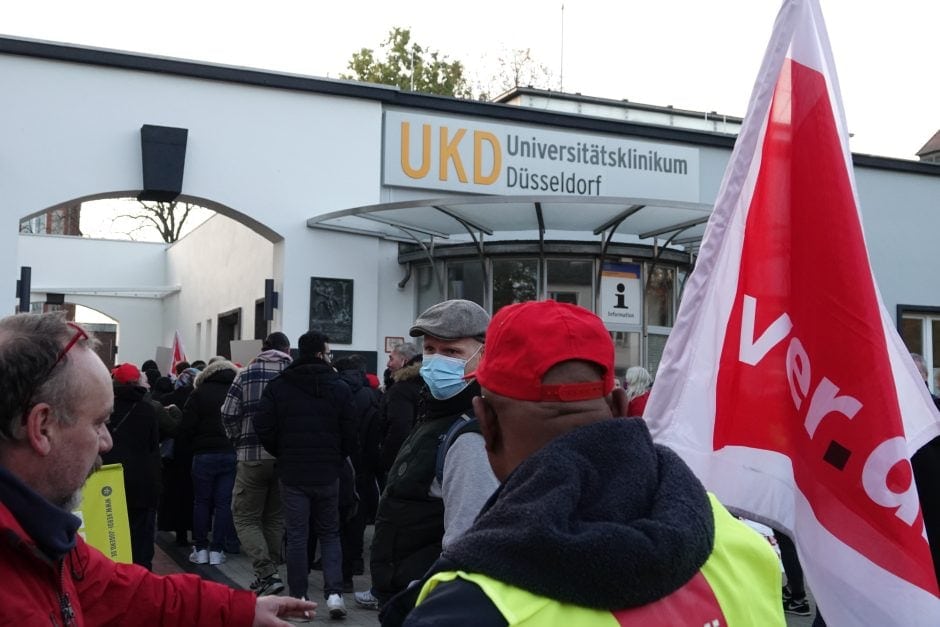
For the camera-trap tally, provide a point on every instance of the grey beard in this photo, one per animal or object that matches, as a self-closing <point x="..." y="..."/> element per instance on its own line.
<point x="74" y="500"/>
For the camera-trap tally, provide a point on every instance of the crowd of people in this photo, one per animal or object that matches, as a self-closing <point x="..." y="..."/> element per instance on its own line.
<point x="491" y="463"/>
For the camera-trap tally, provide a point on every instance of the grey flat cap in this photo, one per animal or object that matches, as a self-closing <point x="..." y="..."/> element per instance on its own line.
<point x="452" y="320"/>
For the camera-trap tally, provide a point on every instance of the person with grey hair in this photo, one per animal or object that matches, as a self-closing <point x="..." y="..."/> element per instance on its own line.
<point x="638" y="383"/>
<point x="55" y="403"/>
<point x="401" y="354"/>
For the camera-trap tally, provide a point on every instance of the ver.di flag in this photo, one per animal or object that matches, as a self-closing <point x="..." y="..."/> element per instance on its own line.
<point x="784" y="384"/>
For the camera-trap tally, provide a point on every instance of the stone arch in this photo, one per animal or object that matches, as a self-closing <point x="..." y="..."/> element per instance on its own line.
<point x="143" y="285"/>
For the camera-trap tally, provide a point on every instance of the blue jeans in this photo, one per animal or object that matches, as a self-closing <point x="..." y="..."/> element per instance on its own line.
<point x="303" y="505"/>
<point x="213" y="480"/>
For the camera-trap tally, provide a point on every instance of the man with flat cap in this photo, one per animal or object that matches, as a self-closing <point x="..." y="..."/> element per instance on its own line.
<point x="593" y="524"/>
<point x="427" y="505"/>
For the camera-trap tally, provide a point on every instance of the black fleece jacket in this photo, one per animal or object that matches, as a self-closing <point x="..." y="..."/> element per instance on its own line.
<point x="600" y="517"/>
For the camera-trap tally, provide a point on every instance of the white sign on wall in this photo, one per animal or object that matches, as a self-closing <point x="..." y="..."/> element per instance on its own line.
<point x="466" y="155"/>
<point x="621" y="299"/>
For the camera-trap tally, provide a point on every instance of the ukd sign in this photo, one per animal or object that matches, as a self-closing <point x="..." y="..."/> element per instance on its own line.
<point x="465" y="155"/>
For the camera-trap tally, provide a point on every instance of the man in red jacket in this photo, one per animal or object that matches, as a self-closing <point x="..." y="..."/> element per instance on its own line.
<point x="55" y="401"/>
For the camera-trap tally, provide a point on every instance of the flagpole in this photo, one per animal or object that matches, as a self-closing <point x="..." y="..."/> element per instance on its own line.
<point x="561" y="72"/>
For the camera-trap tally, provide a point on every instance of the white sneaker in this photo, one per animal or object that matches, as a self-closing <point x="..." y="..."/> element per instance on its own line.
<point x="216" y="558"/>
<point x="199" y="556"/>
<point x="336" y="605"/>
<point x="366" y="600"/>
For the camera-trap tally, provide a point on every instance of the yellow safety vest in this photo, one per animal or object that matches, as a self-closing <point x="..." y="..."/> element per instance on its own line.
<point x="739" y="585"/>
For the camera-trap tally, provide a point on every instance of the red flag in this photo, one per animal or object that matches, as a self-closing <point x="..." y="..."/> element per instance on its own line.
<point x="179" y="354"/>
<point x="784" y="383"/>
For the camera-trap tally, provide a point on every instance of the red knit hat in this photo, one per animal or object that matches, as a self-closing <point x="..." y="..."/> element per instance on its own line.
<point x="525" y="340"/>
<point x="126" y="373"/>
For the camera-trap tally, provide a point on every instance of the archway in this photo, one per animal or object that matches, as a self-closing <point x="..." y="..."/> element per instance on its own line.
<point x="153" y="288"/>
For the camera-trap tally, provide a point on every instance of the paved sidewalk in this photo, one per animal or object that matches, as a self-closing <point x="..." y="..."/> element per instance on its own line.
<point x="237" y="573"/>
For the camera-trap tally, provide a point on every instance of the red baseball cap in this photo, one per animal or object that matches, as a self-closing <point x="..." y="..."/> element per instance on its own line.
<point x="126" y="373"/>
<point x="526" y="339"/>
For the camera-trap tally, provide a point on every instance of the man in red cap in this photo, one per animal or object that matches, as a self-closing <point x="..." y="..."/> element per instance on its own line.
<point x="135" y="434"/>
<point x="593" y="524"/>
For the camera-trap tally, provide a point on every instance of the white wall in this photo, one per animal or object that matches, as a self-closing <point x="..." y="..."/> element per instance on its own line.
<point x="221" y="266"/>
<point x="901" y="219"/>
<point x="124" y="280"/>
<point x="274" y="156"/>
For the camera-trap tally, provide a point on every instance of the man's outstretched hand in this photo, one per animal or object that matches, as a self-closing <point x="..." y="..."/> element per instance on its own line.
<point x="270" y="609"/>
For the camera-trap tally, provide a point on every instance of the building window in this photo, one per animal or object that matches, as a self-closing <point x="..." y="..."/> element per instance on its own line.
<point x="920" y="330"/>
<point x="660" y="297"/>
<point x="514" y="281"/>
<point x="626" y="351"/>
<point x="570" y="281"/>
<point x="465" y="280"/>
<point x="427" y="287"/>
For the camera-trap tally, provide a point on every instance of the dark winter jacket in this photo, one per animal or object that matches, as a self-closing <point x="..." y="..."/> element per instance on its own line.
<point x="306" y="422"/>
<point x="409" y="524"/>
<point x="926" y="464"/>
<point x="177" y="396"/>
<point x="400" y="410"/>
<point x="202" y="416"/>
<point x="366" y="403"/>
<point x="135" y="431"/>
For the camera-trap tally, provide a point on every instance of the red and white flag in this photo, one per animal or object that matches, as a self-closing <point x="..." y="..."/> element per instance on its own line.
<point x="178" y="353"/>
<point x="784" y="384"/>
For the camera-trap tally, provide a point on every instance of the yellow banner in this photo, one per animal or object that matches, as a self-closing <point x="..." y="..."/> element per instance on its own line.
<point x="104" y="513"/>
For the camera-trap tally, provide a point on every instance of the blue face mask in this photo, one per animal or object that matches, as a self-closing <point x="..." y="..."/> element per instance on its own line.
<point x="444" y="375"/>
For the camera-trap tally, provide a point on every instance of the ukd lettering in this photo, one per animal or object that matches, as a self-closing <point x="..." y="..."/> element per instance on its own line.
<point x="452" y="148"/>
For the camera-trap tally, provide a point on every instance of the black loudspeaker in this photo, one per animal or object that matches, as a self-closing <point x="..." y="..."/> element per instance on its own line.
<point x="270" y="299"/>
<point x="163" y="154"/>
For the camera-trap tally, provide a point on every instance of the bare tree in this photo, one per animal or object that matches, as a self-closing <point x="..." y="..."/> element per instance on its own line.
<point x="167" y="217"/>
<point x="515" y="68"/>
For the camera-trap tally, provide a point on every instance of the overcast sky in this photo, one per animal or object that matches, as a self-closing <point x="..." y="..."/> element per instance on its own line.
<point x="692" y="54"/>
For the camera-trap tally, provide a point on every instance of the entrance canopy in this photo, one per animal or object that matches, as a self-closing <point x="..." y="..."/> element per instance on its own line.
<point x="455" y="218"/>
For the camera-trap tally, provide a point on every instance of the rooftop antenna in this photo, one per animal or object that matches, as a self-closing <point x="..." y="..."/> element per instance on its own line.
<point x="561" y="73"/>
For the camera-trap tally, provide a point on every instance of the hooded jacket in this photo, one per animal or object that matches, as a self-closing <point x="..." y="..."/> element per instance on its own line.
<point x="305" y="420"/>
<point x="52" y="577"/>
<point x="202" y="415"/>
<point x="612" y="523"/>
